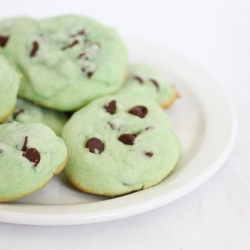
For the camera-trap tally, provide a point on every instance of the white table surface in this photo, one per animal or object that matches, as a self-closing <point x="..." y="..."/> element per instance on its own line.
<point x="215" y="35"/>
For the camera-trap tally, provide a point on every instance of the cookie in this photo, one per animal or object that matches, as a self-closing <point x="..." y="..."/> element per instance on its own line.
<point x="9" y="83"/>
<point x="144" y="81"/>
<point x="27" y="112"/>
<point x="67" y="61"/>
<point x="30" y="154"/>
<point x="119" y="144"/>
<point x="6" y="27"/>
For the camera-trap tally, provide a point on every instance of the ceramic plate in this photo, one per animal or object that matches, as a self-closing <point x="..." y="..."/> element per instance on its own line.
<point x="204" y="120"/>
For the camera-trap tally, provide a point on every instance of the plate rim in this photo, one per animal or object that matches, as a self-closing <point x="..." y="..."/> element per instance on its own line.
<point x="18" y="213"/>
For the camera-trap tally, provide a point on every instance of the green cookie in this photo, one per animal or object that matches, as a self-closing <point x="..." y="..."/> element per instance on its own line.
<point x="9" y="83"/>
<point x="27" y="112"/>
<point x="30" y="154"/>
<point x="67" y="61"/>
<point x="6" y="27"/>
<point x="144" y="81"/>
<point x="119" y="144"/>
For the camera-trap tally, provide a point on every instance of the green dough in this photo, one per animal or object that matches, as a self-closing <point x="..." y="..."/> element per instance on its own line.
<point x="6" y="27"/>
<point x="67" y="61"/>
<point x="144" y="81"/>
<point x="9" y="83"/>
<point x="101" y="164"/>
<point x="27" y="112"/>
<point x="30" y="154"/>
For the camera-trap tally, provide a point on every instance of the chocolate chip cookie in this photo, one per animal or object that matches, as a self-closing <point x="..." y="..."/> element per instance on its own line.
<point x="27" y="112"/>
<point x="67" y="61"/>
<point x="30" y="154"/>
<point x="119" y="144"/>
<point x="144" y="81"/>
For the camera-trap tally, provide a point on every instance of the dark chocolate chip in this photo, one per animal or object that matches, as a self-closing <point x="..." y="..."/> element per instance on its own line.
<point x="3" y="40"/>
<point x="81" y="55"/>
<point x="112" y="125"/>
<point x="111" y="107"/>
<point x="71" y="45"/>
<point x="127" y="139"/>
<point x="155" y="83"/>
<point x="90" y="73"/>
<point x="95" y="145"/>
<point x="24" y="148"/>
<point x="32" y="155"/>
<point x="149" y="154"/>
<point x="18" y="113"/>
<point x="79" y="33"/>
<point x="34" y="49"/>
<point x="1" y="151"/>
<point x="140" y="111"/>
<point x="137" y="78"/>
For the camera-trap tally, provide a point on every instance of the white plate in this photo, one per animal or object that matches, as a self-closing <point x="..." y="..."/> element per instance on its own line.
<point x="205" y="122"/>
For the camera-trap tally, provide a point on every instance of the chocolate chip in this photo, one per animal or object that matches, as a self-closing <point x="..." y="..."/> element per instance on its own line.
<point x="149" y="154"/>
<point x="71" y="45"/>
<point x="79" y="33"/>
<point x="140" y="111"/>
<point x="90" y="73"/>
<point x="95" y="145"/>
<point x="24" y="148"/>
<point x="111" y="107"/>
<point x="34" y="49"/>
<point x="18" y="113"/>
<point x="112" y="126"/>
<point x="3" y="40"/>
<point x="1" y="151"/>
<point x="155" y="83"/>
<point x="32" y="155"/>
<point x="81" y="55"/>
<point x="127" y="139"/>
<point x="137" y="78"/>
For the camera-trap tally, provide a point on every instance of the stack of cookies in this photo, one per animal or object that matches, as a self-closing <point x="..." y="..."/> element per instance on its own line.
<point x="70" y="100"/>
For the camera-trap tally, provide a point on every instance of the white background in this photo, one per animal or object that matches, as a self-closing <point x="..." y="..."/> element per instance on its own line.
<point x="215" y="35"/>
